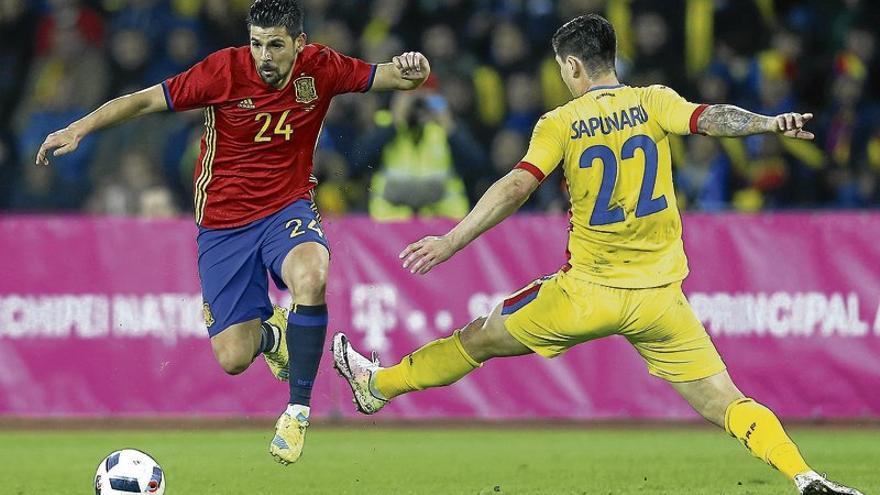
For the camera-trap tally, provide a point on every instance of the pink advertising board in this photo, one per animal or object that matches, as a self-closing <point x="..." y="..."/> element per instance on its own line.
<point x="102" y="316"/>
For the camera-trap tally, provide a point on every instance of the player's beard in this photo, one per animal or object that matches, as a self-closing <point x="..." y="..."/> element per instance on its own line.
<point x="270" y="74"/>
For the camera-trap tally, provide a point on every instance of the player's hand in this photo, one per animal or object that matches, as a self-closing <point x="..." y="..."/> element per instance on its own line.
<point x="792" y="125"/>
<point x="420" y="257"/>
<point x="413" y="66"/>
<point x="59" y="143"/>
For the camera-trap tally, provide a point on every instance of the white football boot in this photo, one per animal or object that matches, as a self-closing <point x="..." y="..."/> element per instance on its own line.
<point x="357" y="371"/>
<point x="812" y="483"/>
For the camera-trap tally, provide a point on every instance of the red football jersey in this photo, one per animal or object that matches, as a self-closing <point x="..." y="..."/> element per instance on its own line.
<point x="256" y="153"/>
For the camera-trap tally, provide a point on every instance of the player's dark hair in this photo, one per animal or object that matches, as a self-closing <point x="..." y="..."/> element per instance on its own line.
<point x="590" y="38"/>
<point x="276" y="13"/>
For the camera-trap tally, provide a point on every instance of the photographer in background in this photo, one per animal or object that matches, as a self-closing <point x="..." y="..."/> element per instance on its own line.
<point x="423" y="160"/>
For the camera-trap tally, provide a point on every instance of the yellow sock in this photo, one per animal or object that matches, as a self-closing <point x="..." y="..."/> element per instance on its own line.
<point x="437" y="363"/>
<point x="758" y="429"/>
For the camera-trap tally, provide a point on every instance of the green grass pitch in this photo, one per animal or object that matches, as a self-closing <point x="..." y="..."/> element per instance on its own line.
<point x="375" y="460"/>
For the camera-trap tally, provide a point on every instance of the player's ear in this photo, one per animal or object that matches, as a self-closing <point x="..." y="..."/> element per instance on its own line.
<point x="299" y="42"/>
<point x="574" y="66"/>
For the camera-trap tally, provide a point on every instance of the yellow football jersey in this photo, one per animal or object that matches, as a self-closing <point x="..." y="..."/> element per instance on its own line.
<point x="613" y="144"/>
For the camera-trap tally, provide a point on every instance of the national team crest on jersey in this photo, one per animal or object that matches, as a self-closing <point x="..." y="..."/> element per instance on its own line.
<point x="209" y="317"/>
<point x="305" y="89"/>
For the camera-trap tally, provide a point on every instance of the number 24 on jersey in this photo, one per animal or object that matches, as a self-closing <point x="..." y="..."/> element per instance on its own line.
<point x="281" y="127"/>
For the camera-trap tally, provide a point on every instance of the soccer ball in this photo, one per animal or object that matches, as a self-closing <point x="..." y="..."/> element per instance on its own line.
<point x="129" y="471"/>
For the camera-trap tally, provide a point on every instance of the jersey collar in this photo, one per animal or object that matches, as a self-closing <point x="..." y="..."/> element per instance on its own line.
<point x="596" y="88"/>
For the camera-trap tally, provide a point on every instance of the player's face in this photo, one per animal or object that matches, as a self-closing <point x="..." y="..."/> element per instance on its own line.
<point x="274" y="52"/>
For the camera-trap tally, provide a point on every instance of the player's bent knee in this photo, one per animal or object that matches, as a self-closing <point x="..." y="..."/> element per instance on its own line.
<point x="474" y="340"/>
<point x="472" y="330"/>
<point x="233" y="366"/>
<point x="485" y="338"/>
<point x="233" y="361"/>
<point x="475" y="328"/>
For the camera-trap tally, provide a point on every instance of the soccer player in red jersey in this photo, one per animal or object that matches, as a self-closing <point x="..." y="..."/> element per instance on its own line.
<point x="264" y="106"/>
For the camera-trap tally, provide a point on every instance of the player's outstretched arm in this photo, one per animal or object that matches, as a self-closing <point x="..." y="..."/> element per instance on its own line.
<point x="733" y="121"/>
<point x="499" y="202"/>
<point x="113" y="112"/>
<point x="406" y="71"/>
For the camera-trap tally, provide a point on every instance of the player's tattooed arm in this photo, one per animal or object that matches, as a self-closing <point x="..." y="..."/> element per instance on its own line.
<point x="730" y="120"/>
<point x="64" y="141"/>
<point x="406" y="71"/>
<point x="733" y="121"/>
<point x="500" y="201"/>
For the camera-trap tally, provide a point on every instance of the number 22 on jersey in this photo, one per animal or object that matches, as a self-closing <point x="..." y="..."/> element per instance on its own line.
<point x="281" y="127"/>
<point x="603" y="213"/>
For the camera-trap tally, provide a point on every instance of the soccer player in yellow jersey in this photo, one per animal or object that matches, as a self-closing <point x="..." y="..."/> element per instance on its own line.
<point x="626" y="260"/>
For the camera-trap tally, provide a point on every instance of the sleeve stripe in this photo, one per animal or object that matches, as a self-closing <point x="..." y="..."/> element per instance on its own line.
<point x="167" y="95"/>
<point x="372" y="78"/>
<point x="528" y="167"/>
<point x="696" y="116"/>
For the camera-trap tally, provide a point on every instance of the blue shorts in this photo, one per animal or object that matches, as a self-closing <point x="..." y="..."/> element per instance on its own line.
<point x="233" y="263"/>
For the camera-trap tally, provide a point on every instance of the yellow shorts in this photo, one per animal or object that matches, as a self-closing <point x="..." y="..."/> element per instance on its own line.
<point x="557" y="312"/>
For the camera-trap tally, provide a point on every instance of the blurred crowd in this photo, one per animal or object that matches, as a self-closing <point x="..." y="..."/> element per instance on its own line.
<point x="435" y="152"/>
